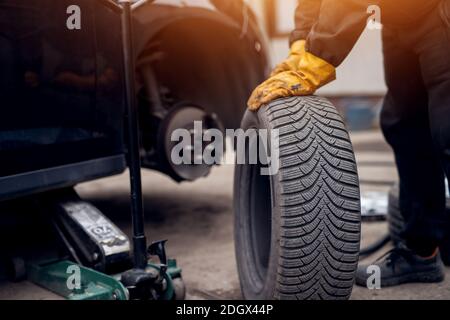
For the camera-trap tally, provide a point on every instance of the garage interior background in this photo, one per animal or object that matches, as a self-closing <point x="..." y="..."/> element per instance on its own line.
<point x="360" y="85"/>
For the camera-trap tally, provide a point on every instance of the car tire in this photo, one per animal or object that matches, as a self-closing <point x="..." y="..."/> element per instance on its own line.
<point x="297" y="232"/>
<point x="395" y="218"/>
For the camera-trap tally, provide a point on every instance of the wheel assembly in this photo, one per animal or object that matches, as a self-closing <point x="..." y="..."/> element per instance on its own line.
<point x="395" y="218"/>
<point x="297" y="232"/>
<point x="396" y="223"/>
<point x="184" y="117"/>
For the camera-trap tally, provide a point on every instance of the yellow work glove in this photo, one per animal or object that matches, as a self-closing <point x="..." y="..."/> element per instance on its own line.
<point x="293" y="60"/>
<point x="301" y="74"/>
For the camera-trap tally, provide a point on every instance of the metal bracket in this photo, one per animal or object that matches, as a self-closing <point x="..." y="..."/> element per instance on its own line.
<point x="74" y="282"/>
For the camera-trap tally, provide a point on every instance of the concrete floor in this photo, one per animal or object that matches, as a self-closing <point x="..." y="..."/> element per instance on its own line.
<point x="197" y="218"/>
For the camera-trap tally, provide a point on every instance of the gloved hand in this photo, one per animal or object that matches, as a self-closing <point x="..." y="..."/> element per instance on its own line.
<point x="301" y="74"/>
<point x="293" y="60"/>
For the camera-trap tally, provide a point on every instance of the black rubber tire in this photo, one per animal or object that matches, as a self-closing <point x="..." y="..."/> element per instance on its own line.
<point x="395" y="218"/>
<point x="297" y="233"/>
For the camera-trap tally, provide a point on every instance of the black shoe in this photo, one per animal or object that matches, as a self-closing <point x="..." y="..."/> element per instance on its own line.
<point x="401" y="265"/>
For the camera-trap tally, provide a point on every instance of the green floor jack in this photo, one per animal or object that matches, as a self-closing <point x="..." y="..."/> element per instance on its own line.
<point x="96" y="263"/>
<point x="100" y="265"/>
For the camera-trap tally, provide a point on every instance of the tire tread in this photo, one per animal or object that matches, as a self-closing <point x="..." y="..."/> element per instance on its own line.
<point x="320" y="222"/>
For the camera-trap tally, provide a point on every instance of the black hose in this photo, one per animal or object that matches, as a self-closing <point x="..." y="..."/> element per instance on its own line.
<point x="367" y="251"/>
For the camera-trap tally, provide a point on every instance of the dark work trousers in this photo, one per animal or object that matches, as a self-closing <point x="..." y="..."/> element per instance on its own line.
<point x="416" y="122"/>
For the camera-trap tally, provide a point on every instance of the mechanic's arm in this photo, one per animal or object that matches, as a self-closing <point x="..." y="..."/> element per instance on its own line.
<point x="337" y="27"/>
<point x="306" y="16"/>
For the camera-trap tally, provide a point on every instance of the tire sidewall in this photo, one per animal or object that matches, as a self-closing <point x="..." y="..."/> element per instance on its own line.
<point x="259" y="120"/>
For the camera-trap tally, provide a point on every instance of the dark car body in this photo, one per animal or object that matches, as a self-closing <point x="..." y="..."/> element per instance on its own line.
<point x="62" y="91"/>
